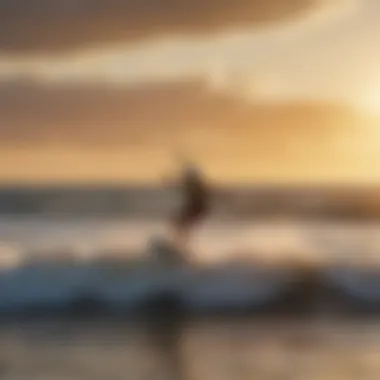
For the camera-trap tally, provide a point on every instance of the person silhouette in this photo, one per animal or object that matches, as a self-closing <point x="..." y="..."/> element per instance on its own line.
<point x="195" y="206"/>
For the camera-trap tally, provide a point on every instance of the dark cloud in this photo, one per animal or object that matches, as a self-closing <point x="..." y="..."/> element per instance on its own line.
<point x="53" y="25"/>
<point x="157" y="114"/>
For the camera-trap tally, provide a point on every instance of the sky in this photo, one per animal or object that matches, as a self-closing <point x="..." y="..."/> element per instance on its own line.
<point x="252" y="90"/>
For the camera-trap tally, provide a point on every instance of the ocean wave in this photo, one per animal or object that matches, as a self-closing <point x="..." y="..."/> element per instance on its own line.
<point x="127" y="286"/>
<point x="359" y="283"/>
<point x="115" y="286"/>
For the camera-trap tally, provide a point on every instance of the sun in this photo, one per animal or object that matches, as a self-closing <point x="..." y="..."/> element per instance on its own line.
<point x="370" y="102"/>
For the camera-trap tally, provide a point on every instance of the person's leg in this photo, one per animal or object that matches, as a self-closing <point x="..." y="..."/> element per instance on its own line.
<point x="181" y="235"/>
<point x="183" y="226"/>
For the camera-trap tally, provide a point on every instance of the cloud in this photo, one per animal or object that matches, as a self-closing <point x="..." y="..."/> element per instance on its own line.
<point x="55" y="25"/>
<point x="98" y="132"/>
<point x="155" y="113"/>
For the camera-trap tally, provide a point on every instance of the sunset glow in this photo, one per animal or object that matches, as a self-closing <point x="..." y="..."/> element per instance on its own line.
<point x="256" y="93"/>
<point x="370" y="102"/>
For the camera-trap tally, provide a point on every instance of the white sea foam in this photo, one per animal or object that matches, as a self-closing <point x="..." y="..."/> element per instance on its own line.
<point x="112" y="262"/>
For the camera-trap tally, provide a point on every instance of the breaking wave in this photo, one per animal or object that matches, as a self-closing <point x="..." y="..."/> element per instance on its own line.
<point x="106" y="287"/>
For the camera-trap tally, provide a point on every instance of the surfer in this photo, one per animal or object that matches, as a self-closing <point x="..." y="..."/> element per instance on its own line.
<point x="195" y="204"/>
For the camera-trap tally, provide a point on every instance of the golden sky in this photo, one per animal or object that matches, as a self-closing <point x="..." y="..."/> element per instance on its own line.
<point x="253" y="90"/>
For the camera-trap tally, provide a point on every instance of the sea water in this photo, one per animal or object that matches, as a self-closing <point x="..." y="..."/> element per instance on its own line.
<point x="194" y="347"/>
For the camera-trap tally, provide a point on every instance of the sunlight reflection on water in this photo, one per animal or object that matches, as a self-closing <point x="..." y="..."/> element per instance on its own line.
<point x="84" y="239"/>
<point x="197" y="350"/>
